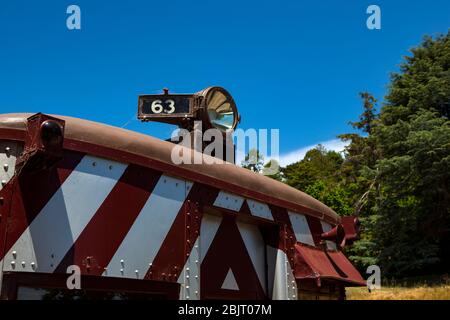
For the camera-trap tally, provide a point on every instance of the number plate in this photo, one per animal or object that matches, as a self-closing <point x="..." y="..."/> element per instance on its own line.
<point x="164" y="105"/>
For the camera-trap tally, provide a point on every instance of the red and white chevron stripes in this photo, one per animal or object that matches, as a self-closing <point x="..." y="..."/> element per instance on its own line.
<point x="122" y="220"/>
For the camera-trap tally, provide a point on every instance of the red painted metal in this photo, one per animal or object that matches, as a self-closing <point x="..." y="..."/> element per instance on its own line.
<point x="182" y="172"/>
<point x="181" y="237"/>
<point x="314" y="263"/>
<point x="111" y="222"/>
<point x="29" y="193"/>
<point x="228" y="251"/>
<point x="351" y="228"/>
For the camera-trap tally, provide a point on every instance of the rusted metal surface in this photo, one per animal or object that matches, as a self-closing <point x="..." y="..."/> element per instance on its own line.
<point x="43" y="145"/>
<point x="351" y="226"/>
<point x="314" y="263"/>
<point x="119" y="144"/>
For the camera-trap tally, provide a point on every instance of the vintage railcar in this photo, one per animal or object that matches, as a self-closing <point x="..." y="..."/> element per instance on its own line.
<point x="111" y="201"/>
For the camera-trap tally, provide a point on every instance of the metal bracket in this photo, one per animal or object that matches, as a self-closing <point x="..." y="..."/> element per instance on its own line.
<point x="43" y="143"/>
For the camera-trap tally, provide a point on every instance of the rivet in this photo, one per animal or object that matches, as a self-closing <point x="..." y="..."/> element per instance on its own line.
<point x="14" y="253"/>
<point x="187" y="269"/>
<point x="94" y="164"/>
<point x="7" y="149"/>
<point x="187" y="297"/>
<point x="3" y="182"/>
<point x="122" y="262"/>
<point x="110" y="167"/>
<point x="13" y="264"/>
<point x="32" y="265"/>
<point x="187" y="276"/>
<point x="5" y="166"/>
<point x="150" y="264"/>
<point x="187" y="287"/>
<point x="23" y="264"/>
<point x="121" y="271"/>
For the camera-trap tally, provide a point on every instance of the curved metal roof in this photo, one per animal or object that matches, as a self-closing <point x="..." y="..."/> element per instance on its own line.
<point x="230" y="177"/>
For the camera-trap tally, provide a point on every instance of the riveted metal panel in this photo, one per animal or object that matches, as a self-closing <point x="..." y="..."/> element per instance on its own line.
<point x="9" y="151"/>
<point x="144" y="239"/>
<point x="190" y="276"/>
<point x="229" y="201"/>
<point x="301" y="228"/>
<point x="260" y="209"/>
<point x="50" y="235"/>
<point x="282" y="284"/>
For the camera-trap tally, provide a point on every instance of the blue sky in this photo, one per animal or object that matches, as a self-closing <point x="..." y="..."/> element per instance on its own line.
<point x="293" y="65"/>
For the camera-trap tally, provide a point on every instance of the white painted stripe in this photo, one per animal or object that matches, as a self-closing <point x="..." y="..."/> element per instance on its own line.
<point x="230" y="282"/>
<point x="63" y="218"/>
<point x="145" y="237"/>
<point x="256" y="247"/>
<point x="282" y="284"/>
<point x="327" y="227"/>
<point x="301" y="228"/>
<point x="189" y="278"/>
<point x="229" y="201"/>
<point x="208" y="229"/>
<point x="260" y="209"/>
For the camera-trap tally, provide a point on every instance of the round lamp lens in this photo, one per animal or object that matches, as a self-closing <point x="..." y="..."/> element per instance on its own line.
<point x="220" y="110"/>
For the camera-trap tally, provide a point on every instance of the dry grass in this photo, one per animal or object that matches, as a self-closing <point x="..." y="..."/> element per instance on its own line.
<point x="401" y="293"/>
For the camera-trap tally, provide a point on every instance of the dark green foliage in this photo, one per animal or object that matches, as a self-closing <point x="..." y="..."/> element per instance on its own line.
<point x="395" y="175"/>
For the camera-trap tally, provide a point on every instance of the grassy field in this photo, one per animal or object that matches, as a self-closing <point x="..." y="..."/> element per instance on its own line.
<point x="401" y="293"/>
